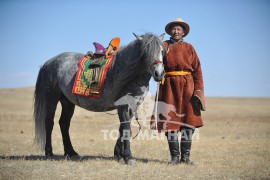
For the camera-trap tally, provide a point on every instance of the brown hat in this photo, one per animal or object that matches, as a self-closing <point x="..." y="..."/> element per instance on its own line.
<point x="177" y="21"/>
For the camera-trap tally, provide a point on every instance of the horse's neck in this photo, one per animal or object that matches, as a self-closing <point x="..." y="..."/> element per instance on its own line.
<point x="128" y="74"/>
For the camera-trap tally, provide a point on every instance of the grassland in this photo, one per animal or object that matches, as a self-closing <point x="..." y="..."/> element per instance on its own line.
<point x="233" y="144"/>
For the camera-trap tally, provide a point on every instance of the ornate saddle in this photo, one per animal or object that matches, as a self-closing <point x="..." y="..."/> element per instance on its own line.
<point x="91" y="75"/>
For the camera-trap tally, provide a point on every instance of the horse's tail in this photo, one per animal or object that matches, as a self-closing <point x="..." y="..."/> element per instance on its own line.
<point x="40" y="110"/>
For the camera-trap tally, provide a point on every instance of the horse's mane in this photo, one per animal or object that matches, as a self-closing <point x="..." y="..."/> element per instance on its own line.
<point x="150" y="46"/>
<point x="133" y="59"/>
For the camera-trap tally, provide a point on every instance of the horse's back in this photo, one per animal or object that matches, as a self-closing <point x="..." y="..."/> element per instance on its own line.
<point x="59" y="71"/>
<point x="64" y="58"/>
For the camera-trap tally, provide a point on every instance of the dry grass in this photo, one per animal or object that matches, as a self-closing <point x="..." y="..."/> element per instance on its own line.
<point x="233" y="144"/>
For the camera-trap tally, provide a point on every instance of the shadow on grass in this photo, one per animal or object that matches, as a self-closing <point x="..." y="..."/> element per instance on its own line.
<point x="77" y="158"/>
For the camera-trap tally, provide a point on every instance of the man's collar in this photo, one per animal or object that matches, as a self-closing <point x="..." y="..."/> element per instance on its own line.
<point x="174" y="41"/>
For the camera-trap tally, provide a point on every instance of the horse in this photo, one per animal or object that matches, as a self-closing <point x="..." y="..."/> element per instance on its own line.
<point x="129" y="74"/>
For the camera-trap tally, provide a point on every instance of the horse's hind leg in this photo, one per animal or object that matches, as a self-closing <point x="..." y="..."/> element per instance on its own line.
<point x="49" y="122"/>
<point x="64" y="122"/>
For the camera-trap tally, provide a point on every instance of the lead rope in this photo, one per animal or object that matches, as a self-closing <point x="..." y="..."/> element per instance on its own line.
<point x="137" y="119"/>
<point x="157" y="94"/>
<point x="155" y="109"/>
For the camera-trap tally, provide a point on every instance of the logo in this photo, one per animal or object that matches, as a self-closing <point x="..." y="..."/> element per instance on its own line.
<point x="145" y="109"/>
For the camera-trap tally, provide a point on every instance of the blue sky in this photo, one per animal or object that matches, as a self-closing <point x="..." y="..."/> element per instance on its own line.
<point x="231" y="37"/>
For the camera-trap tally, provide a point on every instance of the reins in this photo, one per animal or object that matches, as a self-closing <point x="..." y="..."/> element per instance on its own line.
<point x="137" y="119"/>
<point x="155" y="108"/>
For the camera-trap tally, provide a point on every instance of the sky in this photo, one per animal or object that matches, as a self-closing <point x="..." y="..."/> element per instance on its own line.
<point x="231" y="37"/>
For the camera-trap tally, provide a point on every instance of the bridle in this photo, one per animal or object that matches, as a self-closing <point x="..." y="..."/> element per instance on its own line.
<point x="157" y="62"/>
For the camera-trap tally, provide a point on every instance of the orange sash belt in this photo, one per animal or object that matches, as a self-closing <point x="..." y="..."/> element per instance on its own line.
<point x="175" y="73"/>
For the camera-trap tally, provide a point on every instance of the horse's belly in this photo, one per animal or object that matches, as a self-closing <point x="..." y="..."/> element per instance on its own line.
<point x="94" y="104"/>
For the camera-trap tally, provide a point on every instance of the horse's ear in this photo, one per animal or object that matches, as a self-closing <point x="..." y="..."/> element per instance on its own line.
<point x="137" y="36"/>
<point x="161" y="37"/>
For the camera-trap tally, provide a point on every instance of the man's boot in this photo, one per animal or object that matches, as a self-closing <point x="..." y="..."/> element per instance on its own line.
<point x="186" y="139"/>
<point x="173" y="146"/>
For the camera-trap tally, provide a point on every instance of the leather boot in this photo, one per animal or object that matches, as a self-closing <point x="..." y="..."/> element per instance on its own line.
<point x="173" y="146"/>
<point x="186" y="139"/>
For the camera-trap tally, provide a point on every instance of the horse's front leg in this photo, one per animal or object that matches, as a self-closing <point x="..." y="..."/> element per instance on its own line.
<point x="118" y="149"/>
<point x="122" y="147"/>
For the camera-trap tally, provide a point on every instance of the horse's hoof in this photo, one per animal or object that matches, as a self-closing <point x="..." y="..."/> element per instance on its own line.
<point x="131" y="162"/>
<point x="121" y="161"/>
<point x="49" y="156"/>
<point x="118" y="158"/>
<point x="75" y="157"/>
<point x="71" y="154"/>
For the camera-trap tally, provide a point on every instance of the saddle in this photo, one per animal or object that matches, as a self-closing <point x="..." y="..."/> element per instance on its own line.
<point x="93" y="67"/>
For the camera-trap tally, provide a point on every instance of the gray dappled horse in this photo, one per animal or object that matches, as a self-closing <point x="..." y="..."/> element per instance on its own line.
<point x="130" y="72"/>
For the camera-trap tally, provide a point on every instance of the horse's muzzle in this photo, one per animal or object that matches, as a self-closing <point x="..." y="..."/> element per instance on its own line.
<point x="158" y="76"/>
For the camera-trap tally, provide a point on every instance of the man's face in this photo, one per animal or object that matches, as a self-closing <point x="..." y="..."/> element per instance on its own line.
<point x="177" y="32"/>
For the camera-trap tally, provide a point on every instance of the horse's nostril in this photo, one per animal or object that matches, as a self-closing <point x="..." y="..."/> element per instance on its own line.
<point x="156" y="74"/>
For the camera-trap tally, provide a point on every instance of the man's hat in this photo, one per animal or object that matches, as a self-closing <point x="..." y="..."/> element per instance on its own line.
<point x="180" y="22"/>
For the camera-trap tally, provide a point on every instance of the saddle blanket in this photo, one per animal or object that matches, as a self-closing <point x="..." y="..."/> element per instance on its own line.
<point x="91" y="75"/>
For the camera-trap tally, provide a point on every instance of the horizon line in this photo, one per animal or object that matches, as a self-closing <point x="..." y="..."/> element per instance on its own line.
<point x="208" y="96"/>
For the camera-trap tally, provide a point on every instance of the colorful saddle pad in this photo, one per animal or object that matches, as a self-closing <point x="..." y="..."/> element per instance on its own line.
<point x="91" y="75"/>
